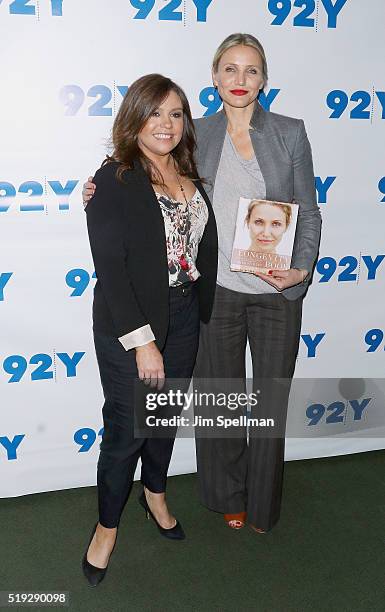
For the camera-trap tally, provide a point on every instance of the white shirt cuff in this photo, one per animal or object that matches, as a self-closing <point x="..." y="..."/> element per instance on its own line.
<point x="138" y="337"/>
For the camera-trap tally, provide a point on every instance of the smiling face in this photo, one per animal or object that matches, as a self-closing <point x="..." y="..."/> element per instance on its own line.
<point x="163" y="131"/>
<point x="239" y="76"/>
<point x="267" y="224"/>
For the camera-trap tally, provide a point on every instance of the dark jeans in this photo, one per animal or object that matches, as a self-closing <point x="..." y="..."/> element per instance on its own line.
<point x="236" y="475"/>
<point x="120" y="450"/>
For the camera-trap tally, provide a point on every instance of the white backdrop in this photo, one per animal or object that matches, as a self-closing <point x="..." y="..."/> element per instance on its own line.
<point x="64" y="68"/>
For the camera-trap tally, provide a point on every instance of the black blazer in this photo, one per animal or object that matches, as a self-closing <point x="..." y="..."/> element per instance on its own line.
<point x="128" y="244"/>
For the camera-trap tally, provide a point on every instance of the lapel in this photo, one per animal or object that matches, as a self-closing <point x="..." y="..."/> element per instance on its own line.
<point x="146" y="193"/>
<point x="272" y="156"/>
<point x="151" y="230"/>
<point x="262" y="146"/>
<point x="210" y="152"/>
<point x="265" y="148"/>
<point x="203" y="190"/>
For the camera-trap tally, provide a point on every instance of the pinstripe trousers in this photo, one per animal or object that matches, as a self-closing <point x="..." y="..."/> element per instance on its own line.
<point x="238" y="474"/>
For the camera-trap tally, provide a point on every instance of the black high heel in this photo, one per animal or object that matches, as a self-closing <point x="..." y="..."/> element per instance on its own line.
<point x="174" y="533"/>
<point x="93" y="574"/>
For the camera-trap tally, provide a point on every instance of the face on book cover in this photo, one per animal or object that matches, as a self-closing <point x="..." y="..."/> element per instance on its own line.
<point x="267" y="224"/>
<point x="163" y="131"/>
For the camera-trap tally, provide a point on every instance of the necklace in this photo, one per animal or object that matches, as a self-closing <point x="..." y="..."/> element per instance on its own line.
<point x="180" y="187"/>
<point x="182" y="259"/>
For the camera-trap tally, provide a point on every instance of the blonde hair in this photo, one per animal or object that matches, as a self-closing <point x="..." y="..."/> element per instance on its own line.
<point x="247" y="40"/>
<point x="286" y="209"/>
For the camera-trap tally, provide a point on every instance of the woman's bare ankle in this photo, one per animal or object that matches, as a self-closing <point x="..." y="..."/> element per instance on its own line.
<point x="106" y="533"/>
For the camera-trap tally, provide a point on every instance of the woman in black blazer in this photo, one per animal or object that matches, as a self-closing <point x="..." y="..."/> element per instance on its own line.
<point x="154" y="244"/>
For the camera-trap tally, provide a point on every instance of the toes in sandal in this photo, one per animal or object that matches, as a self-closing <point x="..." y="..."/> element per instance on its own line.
<point x="236" y="521"/>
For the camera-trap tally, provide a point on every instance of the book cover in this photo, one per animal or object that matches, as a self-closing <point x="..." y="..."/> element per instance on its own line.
<point x="264" y="236"/>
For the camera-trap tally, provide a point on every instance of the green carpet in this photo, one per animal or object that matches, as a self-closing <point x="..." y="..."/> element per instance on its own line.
<point x="326" y="554"/>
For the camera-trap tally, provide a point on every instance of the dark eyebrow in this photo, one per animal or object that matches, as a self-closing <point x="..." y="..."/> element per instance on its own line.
<point x="178" y="108"/>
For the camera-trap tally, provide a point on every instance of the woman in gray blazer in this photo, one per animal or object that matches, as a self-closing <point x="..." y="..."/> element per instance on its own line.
<point x="245" y="151"/>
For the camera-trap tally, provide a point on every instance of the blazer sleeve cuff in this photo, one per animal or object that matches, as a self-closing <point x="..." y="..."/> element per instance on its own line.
<point x="138" y="337"/>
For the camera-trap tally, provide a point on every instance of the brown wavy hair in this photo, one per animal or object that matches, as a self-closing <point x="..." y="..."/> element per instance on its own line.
<point x="143" y="97"/>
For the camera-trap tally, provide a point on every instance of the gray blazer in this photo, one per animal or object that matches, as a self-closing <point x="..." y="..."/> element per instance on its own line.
<point x="283" y="152"/>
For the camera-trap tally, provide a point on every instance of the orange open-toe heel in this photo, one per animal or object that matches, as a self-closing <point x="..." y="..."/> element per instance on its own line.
<point x="236" y="521"/>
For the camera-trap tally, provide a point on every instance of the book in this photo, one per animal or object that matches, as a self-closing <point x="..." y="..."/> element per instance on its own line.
<point x="264" y="236"/>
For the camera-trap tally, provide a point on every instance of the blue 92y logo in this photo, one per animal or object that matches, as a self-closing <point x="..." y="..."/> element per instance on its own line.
<point x="348" y="267"/>
<point x="305" y="12"/>
<point x="364" y="105"/>
<point x="44" y="367"/>
<point x="73" y="97"/>
<point x="169" y="10"/>
<point x="211" y="100"/>
<point x="30" y="195"/>
<point x="337" y="412"/>
<point x="28" y="7"/>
